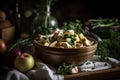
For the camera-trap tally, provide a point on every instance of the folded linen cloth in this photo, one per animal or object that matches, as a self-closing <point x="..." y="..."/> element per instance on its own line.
<point x="16" y="75"/>
<point x="43" y="72"/>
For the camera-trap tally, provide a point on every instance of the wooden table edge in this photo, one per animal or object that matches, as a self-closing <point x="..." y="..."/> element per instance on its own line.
<point x="111" y="73"/>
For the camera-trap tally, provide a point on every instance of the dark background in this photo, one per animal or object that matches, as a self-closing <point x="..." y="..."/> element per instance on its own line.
<point x="66" y="10"/>
<point x="70" y="10"/>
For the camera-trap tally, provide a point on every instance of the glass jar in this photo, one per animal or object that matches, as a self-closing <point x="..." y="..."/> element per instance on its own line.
<point x="43" y="23"/>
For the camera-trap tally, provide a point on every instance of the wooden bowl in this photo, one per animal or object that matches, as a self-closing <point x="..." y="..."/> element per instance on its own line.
<point x="58" y="56"/>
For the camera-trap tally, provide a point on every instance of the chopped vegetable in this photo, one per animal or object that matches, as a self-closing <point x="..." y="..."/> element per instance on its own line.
<point x="64" y="39"/>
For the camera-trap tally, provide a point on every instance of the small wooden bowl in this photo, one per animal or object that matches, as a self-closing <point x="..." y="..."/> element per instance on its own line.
<point x="58" y="56"/>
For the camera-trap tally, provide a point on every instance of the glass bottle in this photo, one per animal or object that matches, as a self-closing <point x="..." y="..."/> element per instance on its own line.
<point x="52" y="22"/>
<point x="43" y="23"/>
<point x="15" y="17"/>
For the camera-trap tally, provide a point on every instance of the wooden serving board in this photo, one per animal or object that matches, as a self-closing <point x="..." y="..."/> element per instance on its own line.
<point x="108" y="74"/>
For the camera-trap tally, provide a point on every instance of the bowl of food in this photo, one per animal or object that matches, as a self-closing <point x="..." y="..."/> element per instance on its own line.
<point x="64" y="47"/>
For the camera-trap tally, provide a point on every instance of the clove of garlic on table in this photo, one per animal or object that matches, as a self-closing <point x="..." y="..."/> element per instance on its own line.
<point x="74" y="70"/>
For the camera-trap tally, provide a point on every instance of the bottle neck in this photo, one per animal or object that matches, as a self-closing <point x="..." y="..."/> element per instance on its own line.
<point x="48" y="10"/>
<point x="43" y="10"/>
<point x="17" y="7"/>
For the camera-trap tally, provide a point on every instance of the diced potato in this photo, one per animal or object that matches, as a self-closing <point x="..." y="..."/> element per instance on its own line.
<point x="77" y="38"/>
<point x="66" y="45"/>
<point x="69" y="32"/>
<point x="46" y="44"/>
<point x="68" y="39"/>
<point x="87" y="42"/>
<point x="63" y="45"/>
<point x="64" y="39"/>
<point x="60" y="39"/>
<point x="81" y="36"/>
<point x="53" y="44"/>
<point x="78" y="45"/>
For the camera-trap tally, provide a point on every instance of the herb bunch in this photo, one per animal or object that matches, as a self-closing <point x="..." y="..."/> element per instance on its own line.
<point x="77" y="26"/>
<point x="103" y="49"/>
<point x="109" y="47"/>
<point x="23" y="44"/>
<point x="65" y="68"/>
<point x="100" y="22"/>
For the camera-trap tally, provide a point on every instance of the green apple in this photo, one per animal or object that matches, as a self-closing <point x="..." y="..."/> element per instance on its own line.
<point x="24" y="62"/>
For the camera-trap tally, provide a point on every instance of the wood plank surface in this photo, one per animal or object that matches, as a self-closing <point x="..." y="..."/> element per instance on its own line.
<point x="108" y="74"/>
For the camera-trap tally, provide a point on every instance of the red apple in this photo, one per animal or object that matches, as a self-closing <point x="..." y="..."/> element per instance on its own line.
<point x="24" y="62"/>
<point x="11" y="56"/>
<point x="3" y="47"/>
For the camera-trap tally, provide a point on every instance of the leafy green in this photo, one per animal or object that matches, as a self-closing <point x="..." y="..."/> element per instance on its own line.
<point x="103" y="49"/>
<point x="65" y="68"/>
<point x="115" y="41"/>
<point x="23" y="44"/>
<point x="110" y="47"/>
<point x="110" y="43"/>
<point x="100" y="22"/>
<point x="77" y="26"/>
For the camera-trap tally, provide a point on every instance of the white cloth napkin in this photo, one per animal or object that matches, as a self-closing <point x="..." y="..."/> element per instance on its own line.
<point x="95" y="64"/>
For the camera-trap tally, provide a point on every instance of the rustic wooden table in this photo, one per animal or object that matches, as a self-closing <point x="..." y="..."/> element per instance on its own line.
<point x="108" y="74"/>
